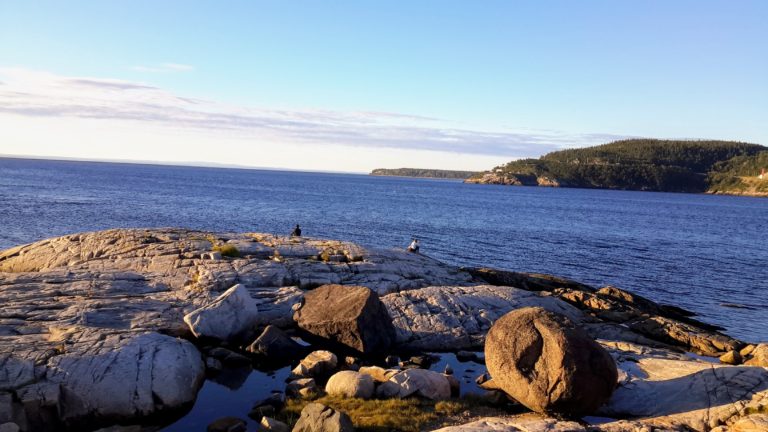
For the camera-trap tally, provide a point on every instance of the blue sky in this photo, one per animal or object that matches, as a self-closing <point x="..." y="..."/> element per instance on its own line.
<point x="439" y="83"/>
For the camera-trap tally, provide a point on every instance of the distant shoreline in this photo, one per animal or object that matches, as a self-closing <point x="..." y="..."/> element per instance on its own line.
<point x="424" y="173"/>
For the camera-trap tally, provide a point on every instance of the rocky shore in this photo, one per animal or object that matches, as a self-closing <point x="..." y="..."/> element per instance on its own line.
<point x="121" y="327"/>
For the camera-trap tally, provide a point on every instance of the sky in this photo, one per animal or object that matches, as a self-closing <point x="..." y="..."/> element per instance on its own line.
<point x="355" y="85"/>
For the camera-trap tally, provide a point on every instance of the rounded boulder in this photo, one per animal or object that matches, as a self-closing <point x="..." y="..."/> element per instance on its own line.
<point x="350" y="384"/>
<point x="545" y="362"/>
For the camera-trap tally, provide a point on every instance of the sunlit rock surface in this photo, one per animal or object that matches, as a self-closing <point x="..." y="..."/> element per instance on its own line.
<point x="95" y="314"/>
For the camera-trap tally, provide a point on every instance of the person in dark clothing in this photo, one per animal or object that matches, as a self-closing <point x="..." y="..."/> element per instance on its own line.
<point x="296" y="231"/>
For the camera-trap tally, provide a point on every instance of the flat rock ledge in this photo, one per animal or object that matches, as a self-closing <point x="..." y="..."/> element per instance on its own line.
<point x="92" y="329"/>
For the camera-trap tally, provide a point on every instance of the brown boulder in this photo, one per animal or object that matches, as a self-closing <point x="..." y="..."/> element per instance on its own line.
<point x="349" y="315"/>
<point x="542" y="360"/>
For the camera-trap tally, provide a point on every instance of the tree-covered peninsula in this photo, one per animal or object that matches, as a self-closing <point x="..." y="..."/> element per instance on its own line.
<point x="642" y="164"/>
<point x="425" y="173"/>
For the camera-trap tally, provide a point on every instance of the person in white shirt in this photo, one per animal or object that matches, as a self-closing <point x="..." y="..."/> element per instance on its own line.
<point x="414" y="246"/>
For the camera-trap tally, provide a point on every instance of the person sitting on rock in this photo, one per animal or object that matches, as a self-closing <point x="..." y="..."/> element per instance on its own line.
<point x="296" y="231"/>
<point x="414" y="246"/>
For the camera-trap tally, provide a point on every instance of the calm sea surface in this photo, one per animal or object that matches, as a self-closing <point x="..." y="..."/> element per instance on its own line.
<point x="705" y="253"/>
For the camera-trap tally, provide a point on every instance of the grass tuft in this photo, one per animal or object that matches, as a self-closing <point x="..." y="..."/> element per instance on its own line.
<point x="227" y="250"/>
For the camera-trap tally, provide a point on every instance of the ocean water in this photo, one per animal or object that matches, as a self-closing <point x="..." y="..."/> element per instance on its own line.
<point x="705" y="253"/>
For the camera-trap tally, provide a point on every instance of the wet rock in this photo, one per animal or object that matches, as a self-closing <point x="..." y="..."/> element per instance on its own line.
<point x="270" y="424"/>
<point x="421" y="382"/>
<point x="228" y="424"/>
<point x="447" y="370"/>
<point x="731" y="358"/>
<point x="228" y="357"/>
<point x="454" y="384"/>
<point x="466" y="356"/>
<point x="233" y="313"/>
<point x="316" y="417"/>
<point x="276" y="346"/>
<point x="267" y="406"/>
<point x="350" y="384"/>
<point x="317" y="364"/>
<point x="349" y="315"/>
<point x="542" y="360"/>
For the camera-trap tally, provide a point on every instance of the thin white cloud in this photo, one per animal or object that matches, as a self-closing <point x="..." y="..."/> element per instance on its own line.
<point x="164" y="68"/>
<point x="41" y="95"/>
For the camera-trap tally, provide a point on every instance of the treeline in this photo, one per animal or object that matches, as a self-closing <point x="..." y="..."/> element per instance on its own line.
<point x="636" y="164"/>
<point x="739" y="174"/>
<point x="421" y="172"/>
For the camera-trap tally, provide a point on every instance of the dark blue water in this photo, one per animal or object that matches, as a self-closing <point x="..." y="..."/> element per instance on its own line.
<point x="700" y="252"/>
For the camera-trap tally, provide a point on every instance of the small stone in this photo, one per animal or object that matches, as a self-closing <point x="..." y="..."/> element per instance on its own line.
<point x="465" y="356"/>
<point x="387" y="390"/>
<point x="276" y="346"/>
<point x="317" y="417"/>
<point x="747" y="350"/>
<point x="731" y="358"/>
<point x="350" y="384"/>
<point x="295" y="387"/>
<point x="229" y="357"/>
<point x="316" y="364"/>
<point x="213" y="364"/>
<point x="455" y="385"/>
<point x="422" y="382"/>
<point x="228" y="424"/>
<point x="391" y="361"/>
<point x="267" y="406"/>
<point x="270" y="424"/>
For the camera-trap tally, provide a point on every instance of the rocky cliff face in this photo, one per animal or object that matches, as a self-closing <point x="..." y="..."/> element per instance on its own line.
<point x="92" y="328"/>
<point x="514" y="180"/>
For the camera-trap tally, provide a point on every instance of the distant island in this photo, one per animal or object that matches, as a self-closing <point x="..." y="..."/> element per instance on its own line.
<point x="719" y="167"/>
<point x="424" y="173"/>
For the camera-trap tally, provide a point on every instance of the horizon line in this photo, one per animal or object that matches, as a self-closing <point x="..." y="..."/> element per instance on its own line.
<point x="188" y="164"/>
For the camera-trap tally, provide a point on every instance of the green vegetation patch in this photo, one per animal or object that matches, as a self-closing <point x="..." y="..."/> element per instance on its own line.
<point x="380" y="415"/>
<point x="227" y="250"/>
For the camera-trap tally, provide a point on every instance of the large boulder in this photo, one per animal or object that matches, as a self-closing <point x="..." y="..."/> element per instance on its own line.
<point x="349" y="315"/>
<point x="233" y="313"/>
<point x="350" y="384"/>
<point x="276" y="346"/>
<point x="546" y="363"/>
<point x="317" y="417"/>
<point x="422" y="382"/>
<point x="126" y="377"/>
